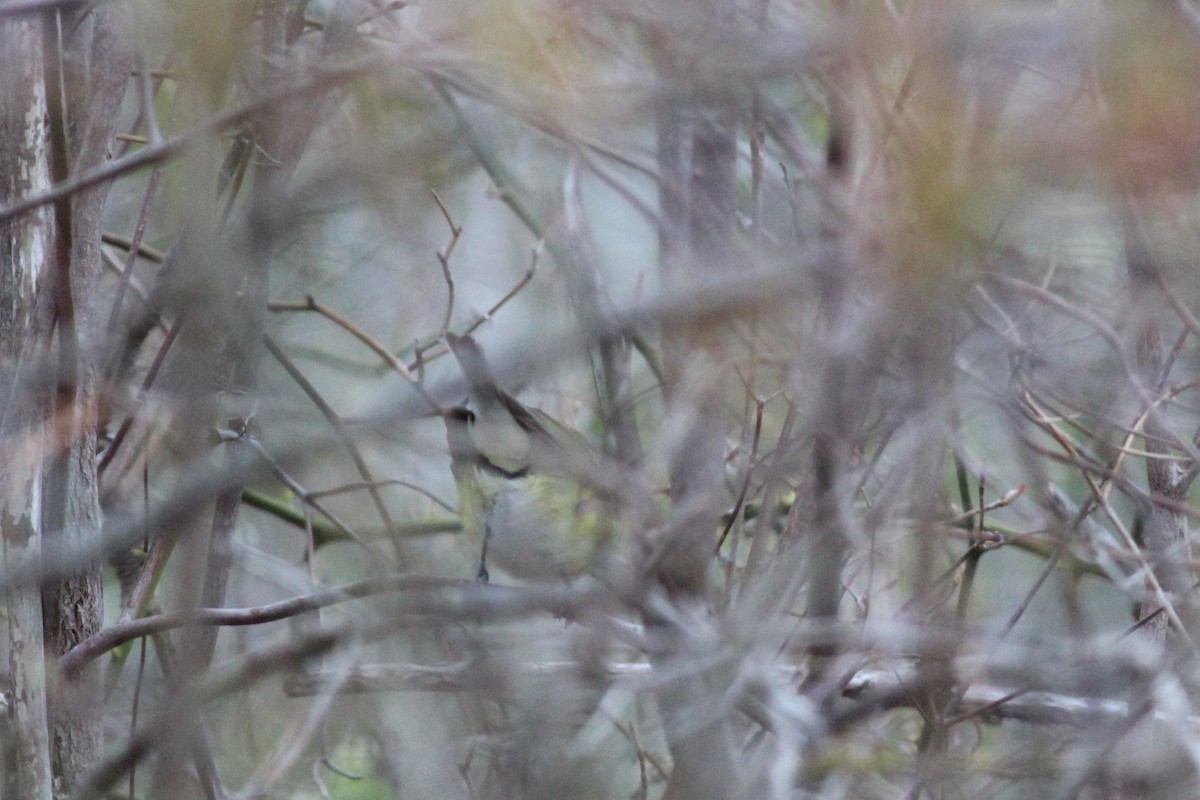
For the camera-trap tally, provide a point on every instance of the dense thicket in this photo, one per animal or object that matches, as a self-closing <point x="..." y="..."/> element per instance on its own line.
<point x="871" y="324"/>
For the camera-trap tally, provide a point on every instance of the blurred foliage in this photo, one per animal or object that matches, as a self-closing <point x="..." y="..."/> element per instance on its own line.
<point x="928" y="340"/>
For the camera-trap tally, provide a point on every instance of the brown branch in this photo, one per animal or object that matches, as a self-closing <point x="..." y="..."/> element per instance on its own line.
<point x="116" y="635"/>
<point x="310" y="303"/>
<point x="465" y="597"/>
<point x="145" y="251"/>
<point x="443" y="257"/>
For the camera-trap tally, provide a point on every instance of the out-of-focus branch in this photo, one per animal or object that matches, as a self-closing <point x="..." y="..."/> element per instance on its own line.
<point x="870" y="690"/>
<point x="321" y="80"/>
<point x="343" y="433"/>
<point x="1163" y="531"/>
<point x="585" y="289"/>
<point x="244" y="673"/>
<point x="15" y="8"/>
<point x="115" y="635"/>
<point x="696" y="129"/>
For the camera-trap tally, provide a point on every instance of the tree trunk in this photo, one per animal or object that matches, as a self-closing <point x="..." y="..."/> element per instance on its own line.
<point x="24" y="243"/>
<point x="92" y="58"/>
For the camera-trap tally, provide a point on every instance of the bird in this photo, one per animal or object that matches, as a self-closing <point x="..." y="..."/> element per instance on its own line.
<point x="517" y="470"/>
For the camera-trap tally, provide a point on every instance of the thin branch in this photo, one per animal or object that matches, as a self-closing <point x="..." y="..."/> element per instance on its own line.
<point x="443" y="257"/>
<point x="247" y="671"/>
<point x="143" y="250"/>
<point x="1127" y="538"/>
<point x="148" y="381"/>
<point x="310" y="303"/>
<point x="358" y="486"/>
<point x="335" y="422"/>
<point x="294" y="486"/>
<point x="322" y="80"/>
<point x="325" y="532"/>
<point x="135" y="245"/>
<point x="466" y="597"/>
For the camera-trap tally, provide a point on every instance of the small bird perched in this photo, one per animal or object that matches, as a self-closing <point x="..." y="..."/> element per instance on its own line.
<point x="509" y="464"/>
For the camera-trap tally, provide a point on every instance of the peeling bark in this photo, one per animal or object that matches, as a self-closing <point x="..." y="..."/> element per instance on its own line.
<point x="24" y="244"/>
